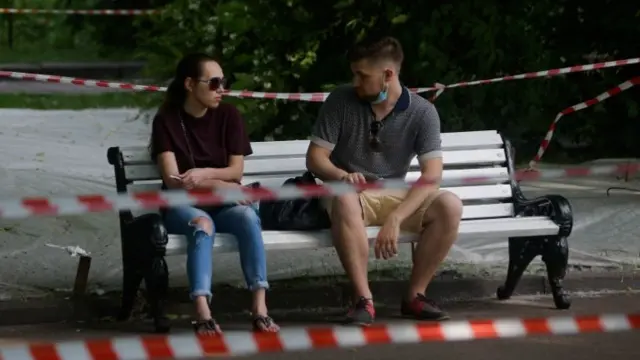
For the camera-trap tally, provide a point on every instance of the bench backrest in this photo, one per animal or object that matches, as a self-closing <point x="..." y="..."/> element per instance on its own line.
<point x="466" y="154"/>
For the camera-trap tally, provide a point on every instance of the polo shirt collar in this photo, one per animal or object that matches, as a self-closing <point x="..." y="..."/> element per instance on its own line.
<point x="404" y="100"/>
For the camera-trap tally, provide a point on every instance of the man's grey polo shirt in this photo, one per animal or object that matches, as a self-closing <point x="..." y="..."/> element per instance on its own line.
<point x="343" y="126"/>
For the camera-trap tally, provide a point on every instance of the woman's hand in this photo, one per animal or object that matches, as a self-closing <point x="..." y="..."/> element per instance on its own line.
<point x="193" y="178"/>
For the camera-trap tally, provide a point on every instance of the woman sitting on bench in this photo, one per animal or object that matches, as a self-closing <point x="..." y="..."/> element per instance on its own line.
<point x="199" y="142"/>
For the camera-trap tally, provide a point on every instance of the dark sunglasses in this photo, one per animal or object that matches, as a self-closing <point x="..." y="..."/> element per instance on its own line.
<point x="215" y="83"/>
<point x="374" y="140"/>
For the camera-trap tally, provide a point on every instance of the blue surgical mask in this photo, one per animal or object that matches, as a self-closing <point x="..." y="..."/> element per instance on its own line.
<point x="382" y="95"/>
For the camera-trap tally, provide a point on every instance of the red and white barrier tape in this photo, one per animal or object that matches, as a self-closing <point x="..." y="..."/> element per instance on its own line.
<point x="80" y="12"/>
<point x="317" y="96"/>
<point x="151" y="200"/>
<point x="189" y="346"/>
<point x="550" y="73"/>
<point x="577" y="107"/>
<point x="438" y="92"/>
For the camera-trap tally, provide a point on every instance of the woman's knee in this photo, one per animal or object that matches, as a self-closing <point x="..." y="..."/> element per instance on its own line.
<point x="187" y="220"/>
<point x="247" y="215"/>
<point x="202" y="223"/>
<point x="239" y="220"/>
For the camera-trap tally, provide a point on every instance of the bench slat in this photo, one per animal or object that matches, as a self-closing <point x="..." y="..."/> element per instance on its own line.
<point x="466" y="193"/>
<point x="297" y="240"/>
<point x="496" y="174"/>
<point x="298" y="165"/>
<point x="450" y="141"/>
<point x="487" y="211"/>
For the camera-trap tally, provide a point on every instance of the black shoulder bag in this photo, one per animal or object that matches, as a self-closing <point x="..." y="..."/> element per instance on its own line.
<point x="296" y="214"/>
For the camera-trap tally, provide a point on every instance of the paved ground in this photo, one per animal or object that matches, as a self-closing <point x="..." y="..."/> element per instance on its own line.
<point x="591" y="346"/>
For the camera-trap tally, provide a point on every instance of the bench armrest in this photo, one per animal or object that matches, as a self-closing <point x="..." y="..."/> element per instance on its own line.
<point x="555" y="207"/>
<point x="145" y="236"/>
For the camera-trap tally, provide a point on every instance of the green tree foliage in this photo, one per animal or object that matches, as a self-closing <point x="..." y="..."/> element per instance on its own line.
<point x="31" y="30"/>
<point x="299" y="45"/>
<point x="114" y="33"/>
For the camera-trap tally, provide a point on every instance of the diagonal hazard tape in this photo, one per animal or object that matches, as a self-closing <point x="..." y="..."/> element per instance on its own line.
<point x="151" y="200"/>
<point x="240" y="343"/>
<point x="577" y="107"/>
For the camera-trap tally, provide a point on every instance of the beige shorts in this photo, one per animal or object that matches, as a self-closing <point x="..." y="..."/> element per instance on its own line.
<point x="377" y="205"/>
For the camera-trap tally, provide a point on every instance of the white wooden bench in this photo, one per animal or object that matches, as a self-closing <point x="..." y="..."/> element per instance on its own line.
<point x="491" y="210"/>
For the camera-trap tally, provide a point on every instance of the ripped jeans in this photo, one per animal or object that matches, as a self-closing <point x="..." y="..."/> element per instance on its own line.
<point x="239" y="220"/>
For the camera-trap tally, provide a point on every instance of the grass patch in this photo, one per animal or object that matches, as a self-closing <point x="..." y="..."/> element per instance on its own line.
<point x="80" y="101"/>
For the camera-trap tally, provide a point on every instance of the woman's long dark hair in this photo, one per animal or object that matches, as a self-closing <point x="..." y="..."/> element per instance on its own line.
<point x="190" y="66"/>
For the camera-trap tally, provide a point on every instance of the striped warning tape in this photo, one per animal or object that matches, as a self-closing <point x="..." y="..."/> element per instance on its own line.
<point x="316" y="96"/>
<point x="190" y="346"/>
<point x="577" y="107"/>
<point x="80" y="11"/>
<point x="151" y="200"/>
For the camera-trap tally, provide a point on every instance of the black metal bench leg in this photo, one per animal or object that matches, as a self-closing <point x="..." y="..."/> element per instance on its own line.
<point x="521" y="252"/>
<point x="144" y="251"/>
<point x="156" y="275"/>
<point x="157" y="284"/>
<point x="132" y="277"/>
<point x="555" y="255"/>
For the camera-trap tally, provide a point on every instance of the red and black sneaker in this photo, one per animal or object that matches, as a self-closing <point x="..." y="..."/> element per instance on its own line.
<point x="421" y="308"/>
<point x="362" y="313"/>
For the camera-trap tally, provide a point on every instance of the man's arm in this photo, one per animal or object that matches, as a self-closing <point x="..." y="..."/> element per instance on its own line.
<point x="319" y="163"/>
<point x="324" y="137"/>
<point x="428" y="182"/>
<point x="428" y="147"/>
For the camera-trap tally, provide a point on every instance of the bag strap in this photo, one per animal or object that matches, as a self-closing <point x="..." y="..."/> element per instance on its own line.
<point x="186" y="139"/>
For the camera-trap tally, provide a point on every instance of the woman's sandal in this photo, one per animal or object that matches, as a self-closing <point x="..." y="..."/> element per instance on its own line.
<point x="206" y="327"/>
<point x="264" y="324"/>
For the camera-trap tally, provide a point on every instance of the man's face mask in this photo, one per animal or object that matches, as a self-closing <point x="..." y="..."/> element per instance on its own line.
<point x="382" y="95"/>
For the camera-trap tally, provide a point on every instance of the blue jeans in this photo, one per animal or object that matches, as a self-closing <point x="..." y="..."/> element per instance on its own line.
<point x="239" y="220"/>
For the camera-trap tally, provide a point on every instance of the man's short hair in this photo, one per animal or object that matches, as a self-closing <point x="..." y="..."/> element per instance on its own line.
<point x="386" y="48"/>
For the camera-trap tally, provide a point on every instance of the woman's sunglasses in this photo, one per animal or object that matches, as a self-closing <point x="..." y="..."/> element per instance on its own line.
<point x="215" y="83"/>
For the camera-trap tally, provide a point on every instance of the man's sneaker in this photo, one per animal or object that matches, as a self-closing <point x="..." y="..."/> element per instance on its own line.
<point x="362" y="313"/>
<point x="421" y="308"/>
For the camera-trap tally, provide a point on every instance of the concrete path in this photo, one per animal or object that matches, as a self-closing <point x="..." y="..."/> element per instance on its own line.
<point x="612" y="346"/>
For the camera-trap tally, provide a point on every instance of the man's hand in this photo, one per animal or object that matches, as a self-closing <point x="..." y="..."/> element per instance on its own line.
<point x="386" y="245"/>
<point x="354" y="178"/>
<point x="193" y="178"/>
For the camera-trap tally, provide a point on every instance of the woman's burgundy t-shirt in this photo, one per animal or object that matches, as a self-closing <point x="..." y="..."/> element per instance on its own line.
<point x="211" y="138"/>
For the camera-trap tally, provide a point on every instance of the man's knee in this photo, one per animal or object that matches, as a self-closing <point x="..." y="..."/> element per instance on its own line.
<point x="346" y="207"/>
<point x="202" y="223"/>
<point x="446" y="210"/>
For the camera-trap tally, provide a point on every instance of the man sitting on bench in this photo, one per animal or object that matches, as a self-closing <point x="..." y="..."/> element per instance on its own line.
<point x="368" y="131"/>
